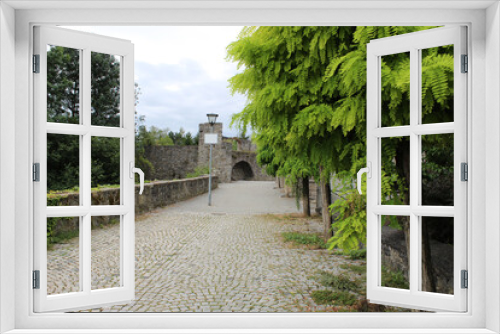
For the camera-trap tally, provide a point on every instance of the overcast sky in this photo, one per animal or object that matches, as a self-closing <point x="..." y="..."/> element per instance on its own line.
<point x="182" y="73"/>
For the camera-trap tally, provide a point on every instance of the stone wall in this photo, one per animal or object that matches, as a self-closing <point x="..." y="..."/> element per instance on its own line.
<point x="221" y="152"/>
<point x="162" y="193"/>
<point x="171" y="162"/>
<point x="156" y="195"/>
<point x="174" y="162"/>
<point x="224" y="158"/>
<point x="250" y="158"/>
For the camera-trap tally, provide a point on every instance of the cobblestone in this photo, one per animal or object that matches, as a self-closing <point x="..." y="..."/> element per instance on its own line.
<point x="205" y="262"/>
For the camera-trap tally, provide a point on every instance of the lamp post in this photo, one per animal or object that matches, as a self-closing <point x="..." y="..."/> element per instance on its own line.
<point x="211" y="120"/>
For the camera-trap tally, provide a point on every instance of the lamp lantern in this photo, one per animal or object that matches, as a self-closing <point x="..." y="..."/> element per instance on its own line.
<point x="212" y="118"/>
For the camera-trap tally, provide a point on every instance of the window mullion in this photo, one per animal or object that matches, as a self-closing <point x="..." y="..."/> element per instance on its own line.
<point x="414" y="258"/>
<point x="86" y="169"/>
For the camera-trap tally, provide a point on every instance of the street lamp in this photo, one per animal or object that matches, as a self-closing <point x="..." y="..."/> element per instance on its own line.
<point x="211" y="120"/>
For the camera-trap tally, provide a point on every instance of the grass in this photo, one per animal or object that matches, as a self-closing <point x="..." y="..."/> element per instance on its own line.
<point x="394" y="279"/>
<point x="311" y="240"/>
<point x="358" y="269"/>
<point x="339" y="282"/>
<point x="286" y="216"/>
<point x="60" y="238"/>
<point x="355" y="254"/>
<point x="198" y="171"/>
<point x="328" y="297"/>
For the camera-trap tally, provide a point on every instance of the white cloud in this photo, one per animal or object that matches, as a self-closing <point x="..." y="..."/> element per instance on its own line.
<point x="170" y="45"/>
<point x="173" y="88"/>
<point x="182" y="73"/>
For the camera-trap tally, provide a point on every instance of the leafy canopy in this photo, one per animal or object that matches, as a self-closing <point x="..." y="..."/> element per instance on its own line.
<point x="306" y="91"/>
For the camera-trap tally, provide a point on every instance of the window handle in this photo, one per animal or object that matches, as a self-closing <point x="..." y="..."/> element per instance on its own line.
<point x="139" y="171"/>
<point x="368" y="171"/>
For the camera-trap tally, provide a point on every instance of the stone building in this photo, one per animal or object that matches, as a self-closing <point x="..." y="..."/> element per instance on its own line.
<point x="175" y="162"/>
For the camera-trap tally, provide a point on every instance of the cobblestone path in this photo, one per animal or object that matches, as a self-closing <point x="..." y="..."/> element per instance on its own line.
<point x="218" y="262"/>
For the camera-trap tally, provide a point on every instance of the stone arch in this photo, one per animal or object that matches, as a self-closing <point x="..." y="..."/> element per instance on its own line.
<point x="242" y="171"/>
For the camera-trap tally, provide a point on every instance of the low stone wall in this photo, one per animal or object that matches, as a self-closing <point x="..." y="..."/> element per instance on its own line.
<point x="156" y="195"/>
<point x="162" y="193"/>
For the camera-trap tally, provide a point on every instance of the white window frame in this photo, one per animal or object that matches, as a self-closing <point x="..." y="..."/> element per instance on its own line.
<point x="484" y="211"/>
<point x="86" y="296"/>
<point x="413" y="43"/>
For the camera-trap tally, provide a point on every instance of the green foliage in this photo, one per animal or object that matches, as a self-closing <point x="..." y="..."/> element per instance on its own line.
<point x="306" y="90"/>
<point x="63" y="162"/>
<point x="394" y="279"/>
<point x="153" y="136"/>
<point x="63" y="106"/>
<point x="353" y="254"/>
<point x="284" y="67"/>
<point x="63" y="85"/>
<point x="304" y="239"/>
<point x="328" y="297"/>
<point x="339" y="282"/>
<point x="105" y="168"/>
<point x="360" y="270"/>
<point x="350" y="208"/>
<point x="105" y="89"/>
<point x="198" y="171"/>
<point x="54" y="237"/>
<point x="356" y="254"/>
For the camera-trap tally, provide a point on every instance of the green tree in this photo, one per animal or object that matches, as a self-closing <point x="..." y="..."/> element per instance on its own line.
<point x="63" y="85"/>
<point x="105" y="89"/>
<point x="289" y="105"/>
<point x="306" y="89"/>
<point x="63" y="106"/>
<point x="348" y="73"/>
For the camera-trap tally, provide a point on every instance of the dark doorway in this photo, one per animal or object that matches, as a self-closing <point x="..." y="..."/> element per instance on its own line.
<point x="242" y="172"/>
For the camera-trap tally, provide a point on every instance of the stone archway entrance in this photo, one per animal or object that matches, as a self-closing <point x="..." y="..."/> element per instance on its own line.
<point x="242" y="171"/>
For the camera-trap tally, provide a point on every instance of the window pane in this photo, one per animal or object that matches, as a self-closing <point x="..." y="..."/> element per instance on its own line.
<point x="437" y="84"/>
<point x="437" y="254"/>
<point x="437" y="169"/>
<point x="395" y="171"/>
<point x="105" y="171"/>
<point x="63" y="170"/>
<point x="105" y="252"/>
<point x="395" y="83"/>
<point x="395" y="246"/>
<point x="105" y="91"/>
<point x="63" y="85"/>
<point x="63" y="255"/>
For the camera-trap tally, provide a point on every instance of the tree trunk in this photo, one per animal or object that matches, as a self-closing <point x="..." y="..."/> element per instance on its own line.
<point x="428" y="278"/>
<point x="306" y="207"/>
<point x="326" y="199"/>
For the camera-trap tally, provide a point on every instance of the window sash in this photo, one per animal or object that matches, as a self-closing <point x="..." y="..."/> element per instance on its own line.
<point x="413" y="43"/>
<point x="86" y="43"/>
